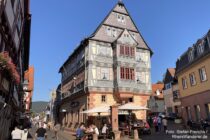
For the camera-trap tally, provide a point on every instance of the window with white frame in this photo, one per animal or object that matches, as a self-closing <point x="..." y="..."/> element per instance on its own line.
<point x="200" y="48"/>
<point x="108" y="31"/>
<point x="184" y="83"/>
<point x="202" y="73"/>
<point x="111" y="32"/>
<point x="105" y="73"/>
<point x="192" y="79"/>
<point x="114" y="33"/>
<point x="121" y="18"/>
<point x="191" y="55"/>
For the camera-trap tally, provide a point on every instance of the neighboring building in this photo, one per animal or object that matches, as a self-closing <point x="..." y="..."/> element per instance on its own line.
<point x="15" y="21"/>
<point x="156" y="101"/>
<point x="29" y="88"/>
<point x="112" y="66"/>
<point x="171" y="92"/>
<point x="57" y="104"/>
<point x="193" y="72"/>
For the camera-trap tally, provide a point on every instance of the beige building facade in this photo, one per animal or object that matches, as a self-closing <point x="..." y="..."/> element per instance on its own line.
<point x="193" y="75"/>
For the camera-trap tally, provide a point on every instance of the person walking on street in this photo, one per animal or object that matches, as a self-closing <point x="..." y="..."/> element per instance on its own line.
<point x="104" y="131"/>
<point x="56" y="129"/>
<point x="17" y="134"/>
<point x="165" y="123"/>
<point x="41" y="133"/>
<point x="25" y="134"/>
<point x="155" y="123"/>
<point x="159" y="120"/>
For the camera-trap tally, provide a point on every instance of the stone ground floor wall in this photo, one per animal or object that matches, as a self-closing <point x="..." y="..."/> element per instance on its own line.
<point x="201" y="99"/>
<point x="72" y="115"/>
<point x="95" y="100"/>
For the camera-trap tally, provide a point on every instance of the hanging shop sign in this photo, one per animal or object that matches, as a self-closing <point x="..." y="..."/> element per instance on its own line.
<point x="75" y="104"/>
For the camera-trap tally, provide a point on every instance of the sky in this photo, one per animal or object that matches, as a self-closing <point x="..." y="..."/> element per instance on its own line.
<point x="169" y="27"/>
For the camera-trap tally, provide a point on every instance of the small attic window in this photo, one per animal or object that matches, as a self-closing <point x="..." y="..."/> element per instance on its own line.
<point x="121" y="18"/>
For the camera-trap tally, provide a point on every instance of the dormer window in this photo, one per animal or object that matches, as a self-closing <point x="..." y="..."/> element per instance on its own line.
<point x="200" y="48"/>
<point x="121" y="18"/>
<point x="191" y="55"/>
<point x="111" y="32"/>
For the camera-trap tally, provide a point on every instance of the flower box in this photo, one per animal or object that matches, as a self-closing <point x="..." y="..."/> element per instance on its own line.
<point x="7" y="65"/>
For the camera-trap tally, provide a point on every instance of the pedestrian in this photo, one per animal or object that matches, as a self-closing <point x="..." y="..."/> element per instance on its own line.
<point x="165" y="124"/>
<point x="95" y="129"/>
<point x="25" y="134"/>
<point x="80" y="132"/>
<point x="41" y="133"/>
<point x="159" y="121"/>
<point x="56" y="129"/>
<point x="104" y="131"/>
<point x="17" y="134"/>
<point x="155" y="123"/>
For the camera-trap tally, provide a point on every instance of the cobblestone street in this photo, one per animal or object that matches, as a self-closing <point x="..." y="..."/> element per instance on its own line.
<point x="50" y="135"/>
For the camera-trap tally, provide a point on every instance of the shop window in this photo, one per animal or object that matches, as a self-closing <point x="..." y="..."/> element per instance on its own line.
<point x="197" y="112"/>
<point x="207" y="108"/>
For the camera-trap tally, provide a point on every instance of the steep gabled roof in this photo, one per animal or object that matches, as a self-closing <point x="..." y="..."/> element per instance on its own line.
<point x="130" y="26"/>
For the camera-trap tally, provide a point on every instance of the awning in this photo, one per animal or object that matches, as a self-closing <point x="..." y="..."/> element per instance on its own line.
<point x="132" y="106"/>
<point x="100" y="109"/>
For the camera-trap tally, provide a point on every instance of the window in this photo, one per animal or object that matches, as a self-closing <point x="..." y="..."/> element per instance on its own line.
<point x="112" y="32"/>
<point x="127" y="73"/>
<point x="122" y="50"/>
<point x="207" y="107"/>
<point x="132" y="74"/>
<point x="104" y="50"/>
<point x="197" y="112"/>
<point x="132" y="51"/>
<point x="121" y="18"/>
<point x="122" y="75"/>
<point x="202" y="72"/>
<point x="130" y="99"/>
<point x="103" y="98"/>
<point x="108" y="31"/>
<point x="127" y="52"/>
<point x="191" y="55"/>
<point x="168" y="85"/>
<point x="105" y="73"/>
<point x="184" y="83"/>
<point x="200" y="48"/>
<point x="192" y="79"/>
<point x="188" y="110"/>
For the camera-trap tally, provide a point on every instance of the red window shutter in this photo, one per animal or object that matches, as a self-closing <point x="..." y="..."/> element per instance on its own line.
<point x="122" y="73"/>
<point x="127" y="73"/>
<point x="122" y="50"/>
<point x="132" y="52"/>
<point x="132" y="74"/>
<point x="127" y="50"/>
